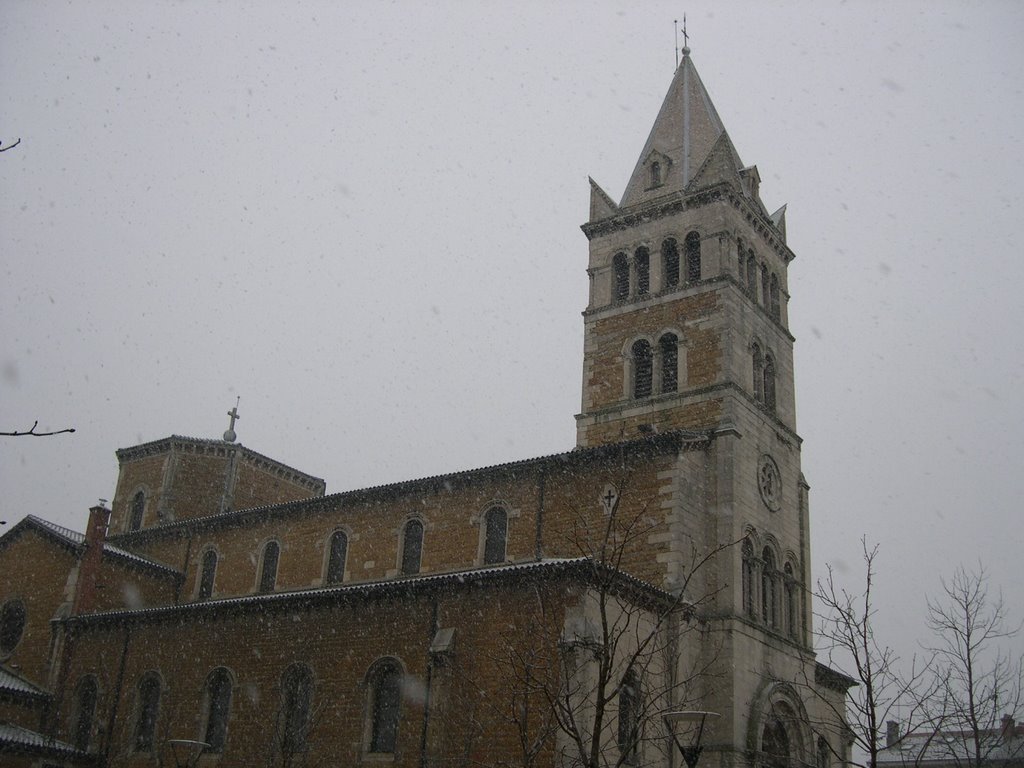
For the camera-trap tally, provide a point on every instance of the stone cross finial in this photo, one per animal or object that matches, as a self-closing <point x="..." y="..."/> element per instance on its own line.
<point x="230" y="435"/>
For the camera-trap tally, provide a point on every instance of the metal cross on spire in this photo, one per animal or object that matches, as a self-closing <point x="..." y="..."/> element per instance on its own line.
<point x="686" y="39"/>
<point x="230" y="435"/>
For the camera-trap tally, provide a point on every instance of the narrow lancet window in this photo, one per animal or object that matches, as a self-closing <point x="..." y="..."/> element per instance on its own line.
<point x="207" y="575"/>
<point x="268" y="573"/>
<point x="337" y="557"/>
<point x="642" y="264"/>
<point x="692" y="249"/>
<point x="668" y="346"/>
<point x="643" y="368"/>
<point x="495" y="533"/>
<point x="138" y="507"/>
<point x="769" y="382"/>
<point x="670" y="263"/>
<point x="412" y="547"/>
<point x="620" y="277"/>
<point x="758" y="373"/>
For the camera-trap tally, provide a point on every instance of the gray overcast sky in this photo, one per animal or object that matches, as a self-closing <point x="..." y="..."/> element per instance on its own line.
<point x="363" y="219"/>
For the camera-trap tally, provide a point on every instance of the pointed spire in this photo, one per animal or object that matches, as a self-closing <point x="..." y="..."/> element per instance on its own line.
<point x="685" y="132"/>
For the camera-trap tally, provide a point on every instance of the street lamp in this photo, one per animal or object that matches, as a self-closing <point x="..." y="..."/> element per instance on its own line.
<point x="187" y="751"/>
<point x="696" y="719"/>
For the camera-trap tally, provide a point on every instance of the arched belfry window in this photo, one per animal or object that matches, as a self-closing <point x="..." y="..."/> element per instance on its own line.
<point x="769" y="382"/>
<point x="620" y="277"/>
<point x="336" y="558"/>
<point x="757" y="359"/>
<point x="138" y="507"/>
<point x="691" y="247"/>
<point x="776" y="308"/>
<point x="217" y="706"/>
<point x="765" y="291"/>
<point x="642" y="265"/>
<point x="748" y="577"/>
<point x="385" y="691"/>
<point x="495" y="535"/>
<point x="775" y="744"/>
<point x="296" y="701"/>
<point x="643" y="368"/>
<point x="792" y="602"/>
<point x="85" y="712"/>
<point x="268" y="568"/>
<point x="769" y="589"/>
<point x="148" y="707"/>
<point x="752" y="275"/>
<point x="669" y="263"/>
<point x="668" y="347"/>
<point x="630" y="718"/>
<point x="412" y="547"/>
<point x="207" y="575"/>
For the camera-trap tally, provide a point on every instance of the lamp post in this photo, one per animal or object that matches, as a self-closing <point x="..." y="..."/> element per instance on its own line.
<point x="696" y="719"/>
<point x="187" y="751"/>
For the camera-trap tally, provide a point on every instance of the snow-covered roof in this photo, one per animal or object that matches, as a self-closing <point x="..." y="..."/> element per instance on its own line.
<point x="12" y="683"/>
<point x="76" y="539"/>
<point x="15" y="739"/>
<point x="671" y="439"/>
<point x="579" y="566"/>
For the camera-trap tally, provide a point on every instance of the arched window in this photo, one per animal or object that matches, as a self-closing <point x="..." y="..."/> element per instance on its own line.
<point x="268" y="569"/>
<point x="769" y="589"/>
<point x="742" y="258"/>
<point x="751" y="275"/>
<point x="824" y="753"/>
<point x="218" y="706"/>
<point x="207" y="575"/>
<point x="775" y="744"/>
<point x="385" y="706"/>
<point x="764" y="286"/>
<point x="620" y="270"/>
<point x="85" y="712"/>
<point x="670" y="263"/>
<point x="668" y="346"/>
<point x="773" y="289"/>
<point x="336" y="558"/>
<point x="296" y="700"/>
<point x="642" y="264"/>
<point x="758" y="373"/>
<point x="495" y="533"/>
<point x="792" y="603"/>
<point x="12" y="625"/>
<point x="148" y="693"/>
<point x="630" y="718"/>
<point x="412" y="547"/>
<point x="691" y="247"/>
<point x="769" y="382"/>
<point x="643" y="368"/>
<point x="138" y="507"/>
<point x="655" y="173"/>
<point x="748" y="577"/>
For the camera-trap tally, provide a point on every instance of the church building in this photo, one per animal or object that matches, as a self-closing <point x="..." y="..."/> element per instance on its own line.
<point x="605" y="606"/>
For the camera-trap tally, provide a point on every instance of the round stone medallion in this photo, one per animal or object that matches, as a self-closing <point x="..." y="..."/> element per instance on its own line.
<point x="769" y="482"/>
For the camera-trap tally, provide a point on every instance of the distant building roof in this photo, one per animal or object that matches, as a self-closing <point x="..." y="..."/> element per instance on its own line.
<point x="1002" y="746"/>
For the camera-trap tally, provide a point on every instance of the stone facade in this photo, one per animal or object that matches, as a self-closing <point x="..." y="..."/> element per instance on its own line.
<point x="523" y="614"/>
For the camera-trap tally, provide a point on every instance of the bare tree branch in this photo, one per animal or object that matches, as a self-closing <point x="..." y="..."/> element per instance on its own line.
<point x="32" y="430"/>
<point x="10" y="146"/>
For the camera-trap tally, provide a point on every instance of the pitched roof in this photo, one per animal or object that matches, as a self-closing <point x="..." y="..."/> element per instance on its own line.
<point x="583" y="568"/>
<point x="685" y="131"/>
<point x="15" y="685"/>
<point x="17" y="740"/>
<point x="74" y="541"/>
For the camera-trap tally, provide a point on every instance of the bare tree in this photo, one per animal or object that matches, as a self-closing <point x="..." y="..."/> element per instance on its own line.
<point x="977" y="682"/>
<point x="598" y="674"/>
<point x="883" y="691"/>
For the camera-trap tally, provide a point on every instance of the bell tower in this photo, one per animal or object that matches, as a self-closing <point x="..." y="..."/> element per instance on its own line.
<point x="686" y="327"/>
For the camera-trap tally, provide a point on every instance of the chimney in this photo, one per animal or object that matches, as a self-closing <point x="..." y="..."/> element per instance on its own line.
<point x="89" y="562"/>
<point x="892" y="733"/>
<point x="1008" y="729"/>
